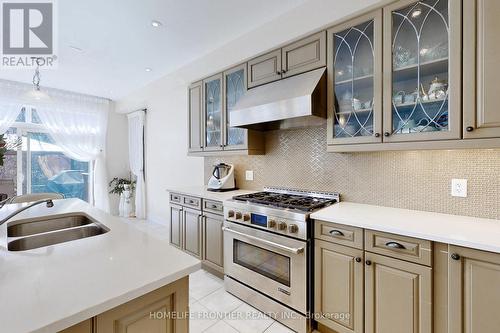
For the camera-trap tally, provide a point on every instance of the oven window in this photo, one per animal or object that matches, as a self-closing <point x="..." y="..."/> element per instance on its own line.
<point x="270" y="264"/>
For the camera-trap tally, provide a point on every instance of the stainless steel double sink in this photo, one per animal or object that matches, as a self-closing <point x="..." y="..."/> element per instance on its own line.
<point x="35" y="233"/>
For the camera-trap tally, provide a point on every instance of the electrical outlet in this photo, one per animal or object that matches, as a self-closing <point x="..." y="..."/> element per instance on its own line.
<point x="459" y="188"/>
<point x="249" y="175"/>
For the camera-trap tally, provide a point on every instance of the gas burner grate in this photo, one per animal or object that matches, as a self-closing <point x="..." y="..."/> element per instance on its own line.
<point x="289" y="201"/>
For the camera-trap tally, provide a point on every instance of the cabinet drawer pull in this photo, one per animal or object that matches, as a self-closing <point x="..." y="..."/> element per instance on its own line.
<point x="395" y="245"/>
<point x="469" y="129"/>
<point x="214" y="207"/>
<point x="336" y="233"/>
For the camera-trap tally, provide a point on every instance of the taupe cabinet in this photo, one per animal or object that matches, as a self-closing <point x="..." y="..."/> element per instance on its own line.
<point x="299" y="57"/>
<point x="210" y="103"/>
<point x="186" y="223"/>
<point x="138" y="315"/>
<point x="196" y="228"/>
<point x="379" y="284"/>
<point x="195" y="142"/>
<point x="473" y="291"/>
<point x="481" y="69"/>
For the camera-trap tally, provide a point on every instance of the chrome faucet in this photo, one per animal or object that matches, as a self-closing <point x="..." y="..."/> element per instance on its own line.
<point x="48" y="202"/>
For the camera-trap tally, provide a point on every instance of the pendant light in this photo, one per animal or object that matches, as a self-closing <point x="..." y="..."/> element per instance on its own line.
<point x="36" y="95"/>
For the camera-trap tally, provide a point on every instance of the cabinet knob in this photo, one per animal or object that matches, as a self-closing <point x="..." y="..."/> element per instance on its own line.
<point x="469" y="129"/>
<point x="368" y="262"/>
<point x="283" y="72"/>
<point x="386" y="134"/>
<point x="358" y="259"/>
<point x="376" y="135"/>
<point x="278" y="73"/>
<point x="455" y="256"/>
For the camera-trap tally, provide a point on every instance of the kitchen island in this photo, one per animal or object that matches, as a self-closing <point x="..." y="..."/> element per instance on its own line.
<point x="88" y="280"/>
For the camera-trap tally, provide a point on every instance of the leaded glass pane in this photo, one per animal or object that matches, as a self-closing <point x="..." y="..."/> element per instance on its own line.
<point x="213" y="112"/>
<point x="235" y="88"/>
<point x="420" y="36"/>
<point x="353" y="66"/>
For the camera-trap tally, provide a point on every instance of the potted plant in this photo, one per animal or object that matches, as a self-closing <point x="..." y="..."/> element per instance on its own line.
<point x="125" y="189"/>
<point x="6" y="145"/>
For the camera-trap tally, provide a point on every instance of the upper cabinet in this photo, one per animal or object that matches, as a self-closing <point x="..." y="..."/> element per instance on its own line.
<point x="213" y="116"/>
<point x="195" y="139"/>
<point x="299" y="57"/>
<point x="354" y="80"/>
<point x="422" y="68"/>
<point x="210" y="104"/>
<point x="481" y="69"/>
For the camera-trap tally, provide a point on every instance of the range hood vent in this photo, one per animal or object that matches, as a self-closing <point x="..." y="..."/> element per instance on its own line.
<point x="298" y="101"/>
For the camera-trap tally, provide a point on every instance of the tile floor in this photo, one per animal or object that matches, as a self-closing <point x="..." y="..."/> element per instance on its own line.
<point x="213" y="310"/>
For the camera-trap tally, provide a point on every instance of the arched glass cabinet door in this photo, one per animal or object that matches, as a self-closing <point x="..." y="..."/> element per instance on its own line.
<point x="354" y="81"/>
<point x="422" y="83"/>
<point x="235" y="86"/>
<point x="212" y="113"/>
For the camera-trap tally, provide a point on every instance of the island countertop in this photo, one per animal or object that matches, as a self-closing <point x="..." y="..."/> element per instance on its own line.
<point x="54" y="287"/>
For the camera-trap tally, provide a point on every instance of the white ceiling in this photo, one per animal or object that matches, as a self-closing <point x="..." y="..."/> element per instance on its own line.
<point x="118" y="41"/>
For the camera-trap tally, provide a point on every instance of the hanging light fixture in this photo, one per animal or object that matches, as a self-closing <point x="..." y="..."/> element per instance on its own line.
<point x="36" y="95"/>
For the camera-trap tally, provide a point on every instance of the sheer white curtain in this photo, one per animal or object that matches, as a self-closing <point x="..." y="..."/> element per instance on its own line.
<point x="9" y="104"/>
<point x="78" y="124"/>
<point x="136" y="159"/>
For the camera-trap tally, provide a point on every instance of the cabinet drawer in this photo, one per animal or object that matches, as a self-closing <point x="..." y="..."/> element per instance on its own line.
<point x="400" y="247"/>
<point x="339" y="234"/>
<point x="174" y="197"/>
<point x="191" y="202"/>
<point x="215" y="207"/>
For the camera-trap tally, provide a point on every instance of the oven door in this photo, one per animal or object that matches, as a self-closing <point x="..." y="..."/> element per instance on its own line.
<point x="271" y="264"/>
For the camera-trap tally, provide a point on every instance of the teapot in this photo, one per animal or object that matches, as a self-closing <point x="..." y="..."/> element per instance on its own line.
<point x="436" y="86"/>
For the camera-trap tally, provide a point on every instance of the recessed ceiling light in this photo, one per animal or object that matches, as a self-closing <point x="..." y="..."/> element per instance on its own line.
<point x="148" y="69"/>
<point x="76" y="48"/>
<point x="156" y="23"/>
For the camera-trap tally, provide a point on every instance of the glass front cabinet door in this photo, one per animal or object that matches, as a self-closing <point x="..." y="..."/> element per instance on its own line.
<point x="354" y="81"/>
<point x="235" y="86"/>
<point x="213" y="116"/>
<point x="422" y="70"/>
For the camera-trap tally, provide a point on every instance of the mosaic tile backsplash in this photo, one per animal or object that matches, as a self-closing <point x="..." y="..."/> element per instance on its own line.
<point x="411" y="179"/>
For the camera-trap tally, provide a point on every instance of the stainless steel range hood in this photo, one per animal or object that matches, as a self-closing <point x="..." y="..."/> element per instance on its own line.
<point x="298" y="101"/>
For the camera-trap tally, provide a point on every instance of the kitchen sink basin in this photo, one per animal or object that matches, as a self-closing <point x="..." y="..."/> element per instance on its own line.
<point x="56" y="237"/>
<point x="31" y="227"/>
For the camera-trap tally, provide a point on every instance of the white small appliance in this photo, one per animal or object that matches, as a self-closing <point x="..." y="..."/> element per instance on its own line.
<point x="222" y="178"/>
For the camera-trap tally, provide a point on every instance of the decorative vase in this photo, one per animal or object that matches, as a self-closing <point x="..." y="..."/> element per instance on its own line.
<point x="121" y="205"/>
<point x="127" y="203"/>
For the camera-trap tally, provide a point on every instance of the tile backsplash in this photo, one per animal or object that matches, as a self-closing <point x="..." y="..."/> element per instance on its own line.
<point x="410" y="179"/>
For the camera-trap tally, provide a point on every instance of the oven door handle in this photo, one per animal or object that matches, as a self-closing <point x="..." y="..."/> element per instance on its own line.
<point x="273" y="244"/>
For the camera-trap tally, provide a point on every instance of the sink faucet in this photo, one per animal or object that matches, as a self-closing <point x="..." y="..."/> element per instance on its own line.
<point x="48" y="202"/>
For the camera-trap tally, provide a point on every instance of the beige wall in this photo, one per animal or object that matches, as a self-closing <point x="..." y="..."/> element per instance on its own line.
<point x="411" y="179"/>
<point x="166" y="99"/>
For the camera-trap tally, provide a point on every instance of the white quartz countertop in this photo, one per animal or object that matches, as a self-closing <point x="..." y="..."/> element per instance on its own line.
<point x="477" y="233"/>
<point x="54" y="287"/>
<point x="201" y="192"/>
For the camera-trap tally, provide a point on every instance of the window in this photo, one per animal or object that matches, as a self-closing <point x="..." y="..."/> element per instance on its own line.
<point x="39" y="164"/>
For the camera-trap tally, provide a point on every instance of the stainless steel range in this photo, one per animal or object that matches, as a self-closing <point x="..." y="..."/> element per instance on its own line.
<point x="268" y="249"/>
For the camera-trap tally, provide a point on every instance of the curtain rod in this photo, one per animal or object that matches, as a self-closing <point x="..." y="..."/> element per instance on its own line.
<point x="143" y="109"/>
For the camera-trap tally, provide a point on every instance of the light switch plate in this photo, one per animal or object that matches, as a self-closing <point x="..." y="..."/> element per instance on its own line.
<point x="249" y="175"/>
<point x="459" y="188"/>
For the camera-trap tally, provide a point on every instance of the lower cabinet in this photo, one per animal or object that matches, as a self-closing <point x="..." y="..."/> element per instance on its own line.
<point x="213" y="242"/>
<point x="192" y="231"/>
<point x="176" y="225"/>
<point x="398" y="296"/>
<point x="474" y="291"/>
<point x="339" y="287"/>
<point x="160" y="311"/>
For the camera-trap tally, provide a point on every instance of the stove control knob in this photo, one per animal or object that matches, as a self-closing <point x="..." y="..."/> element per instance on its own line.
<point x="282" y="226"/>
<point x="238" y="215"/>
<point x="271" y="224"/>
<point x="246" y="217"/>
<point x="230" y="213"/>
<point x="293" y="228"/>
